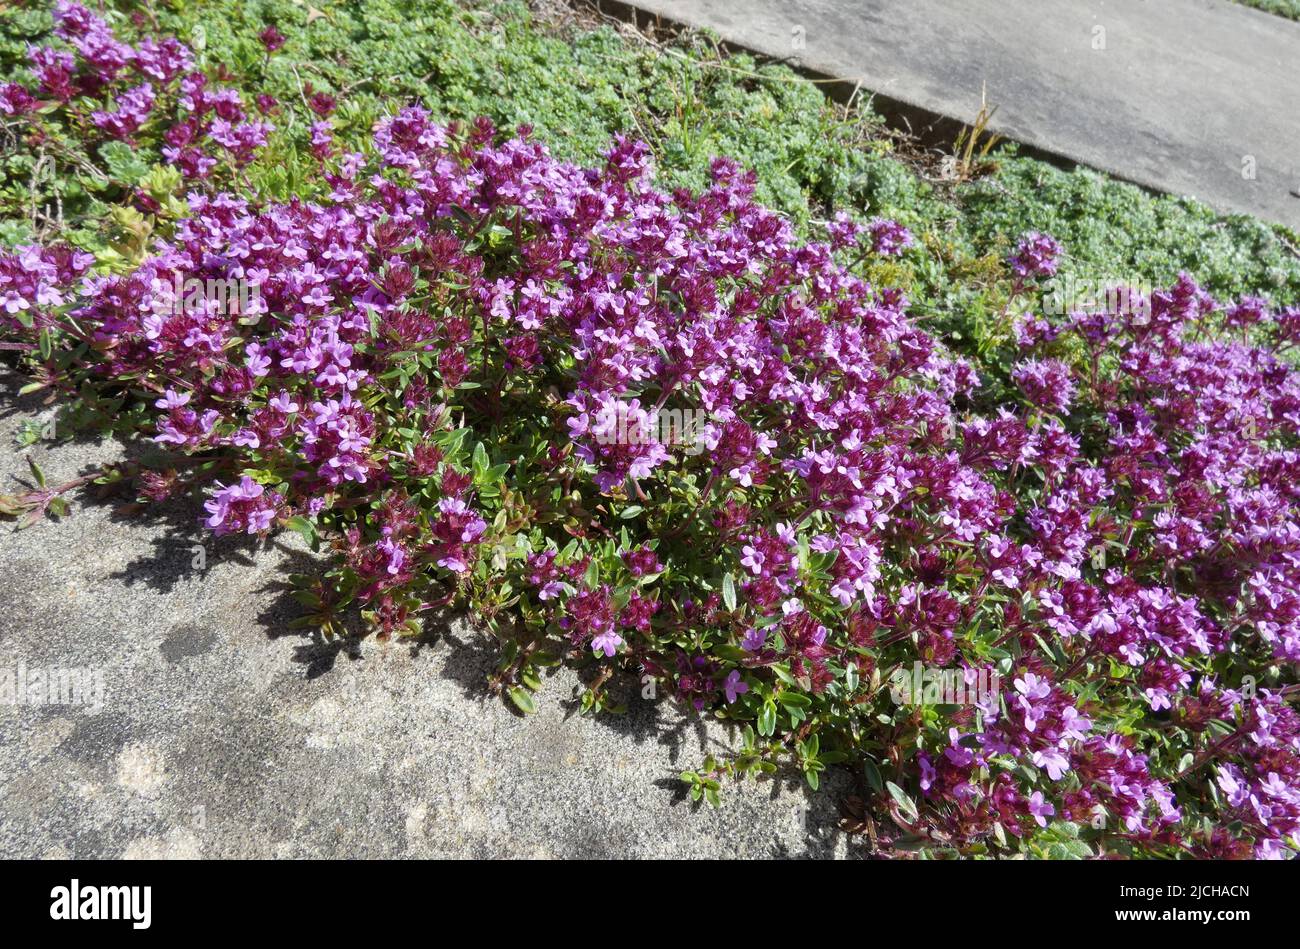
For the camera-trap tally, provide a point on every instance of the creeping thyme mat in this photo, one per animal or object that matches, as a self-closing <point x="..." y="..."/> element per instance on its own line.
<point x="1041" y="596"/>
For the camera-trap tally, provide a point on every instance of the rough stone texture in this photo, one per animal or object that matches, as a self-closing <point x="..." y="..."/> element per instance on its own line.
<point x="224" y="733"/>
<point x="1183" y="91"/>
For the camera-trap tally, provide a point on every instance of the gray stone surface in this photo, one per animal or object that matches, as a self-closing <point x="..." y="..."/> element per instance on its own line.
<point x="1182" y="93"/>
<point x="223" y="733"/>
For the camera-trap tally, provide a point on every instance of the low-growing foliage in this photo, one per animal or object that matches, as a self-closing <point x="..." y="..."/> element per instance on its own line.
<point x="1287" y="8"/>
<point x="677" y="435"/>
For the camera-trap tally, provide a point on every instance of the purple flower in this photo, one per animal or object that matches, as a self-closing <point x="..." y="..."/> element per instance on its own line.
<point x="133" y="109"/>
<point x="244" y="506"/>
<point x="606" y="642"/>
<point x="1035" y="256"/>
<point x="734" y="686"/>
<point x="271" y="38"/>
<point x="1052" y="761"/>
<point x="1048" y="383"/>
<point x="1040" y="809"/>
<point x="889" y="238"/>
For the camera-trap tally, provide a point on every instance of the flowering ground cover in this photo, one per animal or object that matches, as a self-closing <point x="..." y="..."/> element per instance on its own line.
<point x="454" y="342"/>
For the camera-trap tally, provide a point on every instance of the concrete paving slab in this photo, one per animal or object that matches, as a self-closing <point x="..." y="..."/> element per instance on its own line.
<point x="1191" y="97"/>
<point x="221" y="732"/>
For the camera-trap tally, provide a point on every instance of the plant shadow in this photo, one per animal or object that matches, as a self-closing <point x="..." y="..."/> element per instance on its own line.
<point x="468" y="654"/>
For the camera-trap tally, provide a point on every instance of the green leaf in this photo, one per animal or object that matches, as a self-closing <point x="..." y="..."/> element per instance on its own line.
<point x="904" y="802"/>
<point x="730" y="652"/>
<point x="302" y="526"/>
<point x="729" y="592"/>
<point x="124" y="164"/>
<point x="523" y="700"/>
<point x="873" y="776"/>
<point x="37" y="473"/>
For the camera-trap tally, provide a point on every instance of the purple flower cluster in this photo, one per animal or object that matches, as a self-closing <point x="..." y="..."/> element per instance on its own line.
<point x="133" y="108"/>
<point x="1047" y="383"/>
<point x="1037" y="255"/>
<point x="33" y="279"/>
<point x="152" y="80"/>
<point x="888" y="238"/>
<point x="246" y="506"/>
